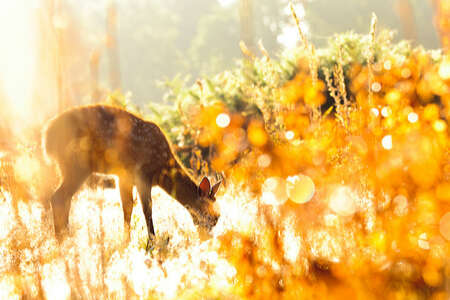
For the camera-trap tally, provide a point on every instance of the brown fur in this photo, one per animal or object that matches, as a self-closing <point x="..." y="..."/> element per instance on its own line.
<point x="110" y="140"/>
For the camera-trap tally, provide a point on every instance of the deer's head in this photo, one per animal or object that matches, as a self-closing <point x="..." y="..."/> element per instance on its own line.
<point x="207" y="215"/>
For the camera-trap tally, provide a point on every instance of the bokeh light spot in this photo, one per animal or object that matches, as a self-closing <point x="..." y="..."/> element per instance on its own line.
<point x="289" y="135"/>
<point x="264" y="160"/>
<point x="376" y="87"/>
<point x="257" y="135"/>
<point x="386" y="111"/>
<point x="274" y="191"/>
<point x="386" y="142"/>
<point x="26" y="168"/>
<point x="406" y="73"/>
<point x="413" y="117"/>
<point x="343" y="201"/>
<point x="444" y="69"/>
<point x="423" y="242"/>
<point x="439" y="125"/>
<point x="375" y="112"/>
<point x="223" y="120"/>
<point x="300" y="188"/>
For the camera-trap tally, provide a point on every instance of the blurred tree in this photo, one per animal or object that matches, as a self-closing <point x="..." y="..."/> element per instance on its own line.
<point x="94" y="60"/>
<point x="211" y="51"/>
<point x="159" y="39"/>
<point x="442" y="21"/>
<point x="405" y="13"/>
<point x="61" y="59"/>
<point x="153" y="45"/>
<point x="5" y="116"/>
<point x="329" y="17"/>
<point x="111" y="44"/>
<point x="57" y="15"/>
<point x="49" y="89"/>
<point x="247" y="23"/>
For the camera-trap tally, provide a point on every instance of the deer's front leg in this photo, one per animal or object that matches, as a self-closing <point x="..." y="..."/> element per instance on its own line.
<point x="126" y="195"/>
<point x="145" y="193"/>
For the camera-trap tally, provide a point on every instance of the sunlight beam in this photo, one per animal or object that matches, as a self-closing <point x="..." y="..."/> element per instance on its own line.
<point x="17" y="60"/>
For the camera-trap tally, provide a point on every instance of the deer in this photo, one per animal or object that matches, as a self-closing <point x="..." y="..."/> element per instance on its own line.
<point x="110" y="140"/>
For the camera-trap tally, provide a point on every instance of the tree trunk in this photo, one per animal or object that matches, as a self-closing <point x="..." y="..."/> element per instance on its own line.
<point x="442" y="21"/>
<point x="94" y="61"/>
<point x="405" y="13"/>
<point x="112" y="46"/>
<point x="59" y="26"/>
<point x="246" y="18"/>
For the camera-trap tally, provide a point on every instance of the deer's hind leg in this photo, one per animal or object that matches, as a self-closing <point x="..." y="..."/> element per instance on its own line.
<point x="61" y="199"/>
<point x="126" y="195"/>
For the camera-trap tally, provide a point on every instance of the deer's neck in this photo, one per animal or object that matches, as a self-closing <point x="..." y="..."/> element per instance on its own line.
<point x="180" y="185"/>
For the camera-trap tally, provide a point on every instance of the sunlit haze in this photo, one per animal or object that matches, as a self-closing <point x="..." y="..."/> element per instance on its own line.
<point x="17" y="54"/>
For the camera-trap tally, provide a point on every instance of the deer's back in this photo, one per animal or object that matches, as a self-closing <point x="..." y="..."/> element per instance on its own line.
<point x="105" y="139"/>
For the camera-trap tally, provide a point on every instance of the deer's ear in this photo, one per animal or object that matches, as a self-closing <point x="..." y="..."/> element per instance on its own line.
<point x="215" y="188"/>
<point x="204" y="187"/>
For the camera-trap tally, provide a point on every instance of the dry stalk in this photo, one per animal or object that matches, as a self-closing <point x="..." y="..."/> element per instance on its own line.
<point x="300" y="31"/>
<point x="331" y="89"/>
<point x="313" y="65"/>
<point x="200" y="85"/>
<point x="263" y="50"/>
<point x="336" y="89"/>
<point x="371" y="56"/>
<point x="341" y="107"/>
<point x="313" y="59"/>
<point x="339" y="76"/>
<point x="246" y="51"/>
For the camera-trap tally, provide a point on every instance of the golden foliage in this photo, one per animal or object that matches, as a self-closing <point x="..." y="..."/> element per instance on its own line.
<point x="378" y="221"/>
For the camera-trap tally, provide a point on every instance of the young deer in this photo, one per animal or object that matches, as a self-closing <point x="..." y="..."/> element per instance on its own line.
<point x="110" y="140"/>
